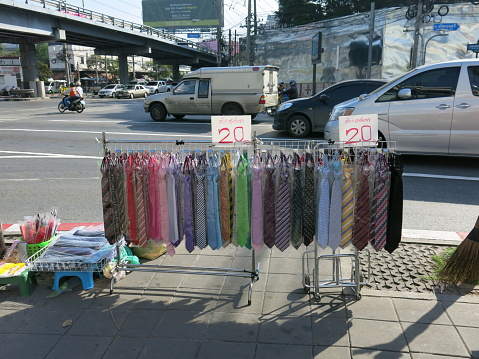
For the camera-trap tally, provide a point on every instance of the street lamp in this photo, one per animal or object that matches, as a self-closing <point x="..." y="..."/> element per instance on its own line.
<point x="425" y="46"/>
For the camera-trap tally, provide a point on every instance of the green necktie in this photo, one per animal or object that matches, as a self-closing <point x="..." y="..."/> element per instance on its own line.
<point x="242" y="203"/>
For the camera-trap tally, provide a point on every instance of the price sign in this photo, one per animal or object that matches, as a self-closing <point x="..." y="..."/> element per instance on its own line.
<point x="230" y="129"/>
<point x="358" y="128"/>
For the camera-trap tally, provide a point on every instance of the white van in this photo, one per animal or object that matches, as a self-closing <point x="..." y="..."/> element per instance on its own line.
<point x="433" y="109"/>
<point x="55" y="86"/>
<point x="243" y="90"/>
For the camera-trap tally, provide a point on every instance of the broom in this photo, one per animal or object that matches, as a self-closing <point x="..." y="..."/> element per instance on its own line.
<point x="463" y="265"/>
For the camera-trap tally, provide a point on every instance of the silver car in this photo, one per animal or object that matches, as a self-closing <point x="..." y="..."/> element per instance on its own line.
<point x="433" y="109"/>
<point x="132" y="91"/>
<point x="110" y="90"/>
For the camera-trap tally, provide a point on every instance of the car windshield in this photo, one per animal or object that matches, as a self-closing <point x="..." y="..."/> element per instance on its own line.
<point x="152" y="83"/>
<point x="109" y="87"/>
<point x="130" y="87"/>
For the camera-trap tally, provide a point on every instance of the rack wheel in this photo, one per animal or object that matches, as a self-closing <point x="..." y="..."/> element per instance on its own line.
<point x="317" y="297"/>
<point x="358" y="296"/>
<point x="249" y="302"/>
<point x="307" y="282"/>
<point x="111" y="291"/>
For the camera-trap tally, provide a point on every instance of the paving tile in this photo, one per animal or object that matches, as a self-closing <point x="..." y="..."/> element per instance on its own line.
<point x="187" y="324"/>
<point x="434" y="339"/>
<point x="98" y="321"/>
<point x="377" y="334"/>
<point x="372" y="308"/>
<point x="285" y="283"/>
<point x="80" y="347"/>
<point x="290" y="252"/>
<point x="50" y="321"/>
<point x="11" y="319"/>
<point x="72" y="299"/>
<point x="236" y="327"/>
<point x="135" y="280"/>
<point x="38" y="346"/>
<point x="320" y="352"/>
<point x="233" y="283"/>
<point x="233" y="350"/>
<point x="285" y="330"/>
<point x="285" y="265"/>
<point x="4" y="337"/>
<point x="434" y="356"/>
<point x="282" y="351"/>
<point x="120" y="298"/>
<point x="463" y="314"/>
<point x="203" y="281"/>
<point x="155" y="298"/>
<point x="470" y="337"/>
<point x="166" y="280"/>
<point x="122" y="347"/>
<point x="331" y="305"/>
<point x="360" y="353"/>
<point x="330" y="331"/>
<point x="174" y="348"/>
<point x="231" y="300"/>
<point x="420" y="311"/>
<point x="214" y="261"/>
<point x="198" y="300"/>
<point x="286" y="304"/>
<point x="140" y="323"/>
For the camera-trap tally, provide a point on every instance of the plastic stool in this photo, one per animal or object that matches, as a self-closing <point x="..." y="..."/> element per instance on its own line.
<point x="86" y="279"/>
<point x="23" y="280"/>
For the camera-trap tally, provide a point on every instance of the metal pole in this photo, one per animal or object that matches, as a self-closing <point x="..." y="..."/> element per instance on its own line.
<point x="417" y="31"/>
<point x="248" y="33"/>
<point x="371" y="38"/>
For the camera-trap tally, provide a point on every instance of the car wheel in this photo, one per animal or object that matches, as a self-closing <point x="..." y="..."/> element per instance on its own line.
<point x="298" y="126"/>
<point x="101" y="96"/>
<point x="232" y="109"/>
<point x="132" y="96"/>
<point x="178" y="117"/>
<point x="158" y="112"/>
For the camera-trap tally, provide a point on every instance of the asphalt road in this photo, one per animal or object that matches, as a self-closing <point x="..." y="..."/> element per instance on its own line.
<point x="51" y="160"/>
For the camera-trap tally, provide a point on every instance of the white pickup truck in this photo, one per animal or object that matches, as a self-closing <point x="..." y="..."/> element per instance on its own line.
<point x="244" y="90"/>
<point x="157" y="87"/>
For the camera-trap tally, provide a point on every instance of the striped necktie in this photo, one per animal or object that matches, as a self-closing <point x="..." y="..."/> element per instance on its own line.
<point x="257" y="241"/>
<point x="297" y="203"/>
<point x="210" y="205"/>
<point x="335" y="207"/>
<point x="362" y="210"/>
<point x="309" y="226"/>
<point x="283" y="207"/>
<point x="141" y="190"/>
<point x="380" y="202"/>
<point x="163" y="212"/>
<point x="269" y="210"/>
<point x="172" y="206"/>
<point x="107" y="200"/>
<point x="154" y="225"/>
<point x="188" y="211"/>
<point x="347" y="216"/>
<point x="200" y="208"/>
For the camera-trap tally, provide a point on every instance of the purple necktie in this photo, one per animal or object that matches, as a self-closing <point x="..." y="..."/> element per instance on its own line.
<point x="257" y="241"/>
<point x="269" y="211"/>
<point x="381" y="200"/>
<point x="297" y="211"/>
<point x="362" y="210"/>
<point x="188" y="212"/>
<point x="283" y="207"/>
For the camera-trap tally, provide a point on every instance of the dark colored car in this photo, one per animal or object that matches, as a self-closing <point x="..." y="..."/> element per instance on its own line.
<point x="302" y="116"/>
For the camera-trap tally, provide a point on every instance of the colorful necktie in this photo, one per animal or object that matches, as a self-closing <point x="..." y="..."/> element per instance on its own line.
<point x="163" y="189"/>
<point x="216" y="203"/>
<point x="257" y="241"/>
<point x="309" y="225"/>
<point x="172" y="206"/>
<point x="210" y="206"/>
<point x="322" y="231"/>
<point x="347" y="216"/>
<point x="283" y="207"/>
<point x="335" y="208"/>
<point x="107" y="201"/>
<point x="269" y="210"/>
<point x="297" y="210"/>
<point x="226" y="200"/>
<point x="242" y="203"/>
<point x="130" y="194"/>
<point x="380" y="203"/>
<point x="362" y="210"/>
<point x="188" y="212"/>
<point x="154" y="224"/>
<point x="180" y="185"/>
<point x="141" y="188"/>
<point x="200" y="212"/>
<point x="121" y="205"/>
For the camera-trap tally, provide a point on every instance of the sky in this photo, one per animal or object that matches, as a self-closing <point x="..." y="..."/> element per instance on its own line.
<point x="235" y="11"/>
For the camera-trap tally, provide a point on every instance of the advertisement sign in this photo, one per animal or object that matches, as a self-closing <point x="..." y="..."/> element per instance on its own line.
<point x="358" y="128"/>
<point x="182" y="14"/>
<point x="230" y="129"/>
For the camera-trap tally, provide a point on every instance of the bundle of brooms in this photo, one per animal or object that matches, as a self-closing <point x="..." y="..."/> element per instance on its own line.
<point x="463" y="265"/>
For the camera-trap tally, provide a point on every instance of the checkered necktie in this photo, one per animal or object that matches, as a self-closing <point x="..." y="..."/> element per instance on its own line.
<point x="380" y="202"/>
<point x="297" y="203"/>
<point x="269" y="210"/>
<point x="200" y="213"/>
<point x="362" y="210"/>
<point x="188" y="212"/>
<point x="309" y="225"/>
<point x="322" y="231"/>
<point x="257" y="241"/>
<point x="283" y="208"/>
<point x="335" y="209"/>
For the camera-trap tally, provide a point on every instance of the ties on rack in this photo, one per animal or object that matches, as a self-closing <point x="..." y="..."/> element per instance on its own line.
<point x="273" y="197"/>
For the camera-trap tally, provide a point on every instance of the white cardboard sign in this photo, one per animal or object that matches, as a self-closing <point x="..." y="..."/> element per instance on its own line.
<point x="230" y="129"/>
<point x="358" y="128"/>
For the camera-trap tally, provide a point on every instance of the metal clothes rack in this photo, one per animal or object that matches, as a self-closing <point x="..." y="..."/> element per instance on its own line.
<point x="312" y="281"/>
<point x="252" y="274"/>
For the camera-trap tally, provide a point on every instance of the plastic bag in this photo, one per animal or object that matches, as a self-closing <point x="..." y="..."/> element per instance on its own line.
<point x="152" y="250"/>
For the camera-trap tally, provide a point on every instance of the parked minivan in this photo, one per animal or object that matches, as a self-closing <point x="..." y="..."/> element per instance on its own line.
<point x="433" y="109"/>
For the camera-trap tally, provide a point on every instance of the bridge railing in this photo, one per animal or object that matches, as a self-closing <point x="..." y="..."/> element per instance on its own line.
<point x="75" y="10"/>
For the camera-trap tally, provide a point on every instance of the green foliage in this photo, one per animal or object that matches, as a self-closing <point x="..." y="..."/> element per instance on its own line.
<point x="439" y="262"/>
<point x="44" y="72"/>
<point x="42" y="52"/>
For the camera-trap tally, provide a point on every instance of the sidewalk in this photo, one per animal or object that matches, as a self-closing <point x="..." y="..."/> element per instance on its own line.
<point x="170" y="315"/>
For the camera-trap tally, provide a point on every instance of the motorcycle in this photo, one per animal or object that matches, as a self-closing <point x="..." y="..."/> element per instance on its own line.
<point x="272" y="110"/>
<point x="77" y="105"/>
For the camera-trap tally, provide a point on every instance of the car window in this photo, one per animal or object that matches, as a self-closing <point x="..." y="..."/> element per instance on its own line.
<point x="130" y="87"/>
<point x="346" y="92"/>
<point x="109" y="87"/>
<point x="151" y="83"/>
<point x="203" y="88"/>
<point x="427" y="84"/>
<point x="473" y="72"/>
<point x="186" y="87"/>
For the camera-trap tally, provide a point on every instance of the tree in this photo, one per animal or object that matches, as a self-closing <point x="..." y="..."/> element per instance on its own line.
<point x="43" y="62"/>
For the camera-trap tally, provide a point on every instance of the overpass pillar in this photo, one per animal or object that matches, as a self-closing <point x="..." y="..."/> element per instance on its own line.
<point x="176" y="72"/>
<point x="123" y="67"/>
<point x="28" y="61"/>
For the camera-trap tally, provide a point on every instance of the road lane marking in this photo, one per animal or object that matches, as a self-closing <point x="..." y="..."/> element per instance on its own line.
<point x="427" y="175"/>
<point x="158" y="134"/>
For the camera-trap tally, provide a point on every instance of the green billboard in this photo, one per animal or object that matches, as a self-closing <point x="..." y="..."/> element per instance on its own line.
<point x="183" y="14"/>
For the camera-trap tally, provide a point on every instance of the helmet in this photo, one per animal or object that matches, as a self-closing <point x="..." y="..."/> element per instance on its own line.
<point x="72" y="84"/>
<point x="281" y="83"/>
<point x="78" y="84"/>
<point x="292" y="83"/>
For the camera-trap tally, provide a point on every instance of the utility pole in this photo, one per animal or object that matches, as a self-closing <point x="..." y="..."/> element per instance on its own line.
<point x="417" y="33"/>
<point x="248" y="34"/>
<point x="371" y="38"/>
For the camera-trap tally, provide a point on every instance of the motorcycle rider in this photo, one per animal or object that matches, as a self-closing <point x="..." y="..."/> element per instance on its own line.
<point x="74" y="93"/>
<point x="292" y="91"/>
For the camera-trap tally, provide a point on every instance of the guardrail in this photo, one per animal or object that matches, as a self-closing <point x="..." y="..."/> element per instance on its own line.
<point x="75" y="10"/>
